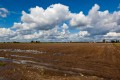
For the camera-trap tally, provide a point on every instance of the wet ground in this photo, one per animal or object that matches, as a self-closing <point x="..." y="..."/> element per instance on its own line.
<point x="62" y="61"/>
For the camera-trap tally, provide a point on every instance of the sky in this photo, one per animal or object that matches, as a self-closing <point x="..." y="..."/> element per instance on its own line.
<point x="59" y="20"/>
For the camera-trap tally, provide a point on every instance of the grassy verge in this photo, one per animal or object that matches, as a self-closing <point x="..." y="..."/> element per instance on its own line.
<point x="2" y="64"/>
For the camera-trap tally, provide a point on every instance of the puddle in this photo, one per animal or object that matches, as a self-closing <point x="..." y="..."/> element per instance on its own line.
<point x="53" y="69"/>
<point x="15" y="60"/>
<point x="58" y="54"/>
<point x="82" y="70"/>
<point x="21" y="56"/>
<point x="5" y="59"/>
<point x="37" y="65"/>
<point x="47" y="66"/>
<point x="24" y="51"/>
<point x="2" y="58"/>
<point x="22" y="61"/>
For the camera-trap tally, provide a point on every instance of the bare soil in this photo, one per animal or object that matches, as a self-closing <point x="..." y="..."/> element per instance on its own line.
<point x="60" y="61"/>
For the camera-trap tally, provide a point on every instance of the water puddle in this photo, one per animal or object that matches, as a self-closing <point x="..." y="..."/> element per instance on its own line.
<point x="15" y="60"/>
<point x="47" y="66"/>
<point x="2" y="58"/>
<point x="58" y="54"/>
<point x="5" y="59"/>
<point x="82" y="70"/>
<point x="21" y="56"/>
<point x="22" y="61"/>
<point x="24" y="51"/>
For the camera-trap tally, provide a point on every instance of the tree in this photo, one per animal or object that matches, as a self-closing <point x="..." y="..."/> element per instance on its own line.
<point x="117" y="41"/>
<point x="113" y="41"/>
<point x="32" y="41"/>
<point x="104" y="41"/>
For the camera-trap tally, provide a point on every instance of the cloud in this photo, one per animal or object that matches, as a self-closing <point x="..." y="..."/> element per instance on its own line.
<point x="6" y="34"/>
<point x="102" y="22"/>
<point x="3" y="12"/>
<point x="112" y="34"/>
<point x="43" y="19"/>
<point x="58" y="33"/>
<point x="58" y="23"/>
<point x="79" y="20"/>
<point x="96" y="22"/>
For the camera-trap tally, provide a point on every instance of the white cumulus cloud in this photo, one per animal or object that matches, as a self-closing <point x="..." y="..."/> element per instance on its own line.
<point x="43" y="19"/>
<point x="79" y="20"/>
<point x="112" y="34"/>
<point x="3" y="12"/>
<point x="58" y="23"/>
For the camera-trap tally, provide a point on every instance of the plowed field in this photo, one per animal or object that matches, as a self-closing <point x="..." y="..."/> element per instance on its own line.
<point x="59" y="61"/>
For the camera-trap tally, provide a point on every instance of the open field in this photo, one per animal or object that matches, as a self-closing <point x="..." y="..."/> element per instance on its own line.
<point x="59" y="61"/>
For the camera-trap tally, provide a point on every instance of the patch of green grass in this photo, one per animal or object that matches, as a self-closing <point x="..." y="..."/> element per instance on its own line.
<point x="2" y="64"/>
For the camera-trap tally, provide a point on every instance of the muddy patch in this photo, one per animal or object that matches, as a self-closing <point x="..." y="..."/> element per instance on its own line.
<point x="46" y="66"/>
<point x="22" y="51"/>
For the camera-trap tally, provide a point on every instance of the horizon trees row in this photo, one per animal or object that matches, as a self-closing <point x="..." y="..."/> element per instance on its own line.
<point x="112" y="41"/>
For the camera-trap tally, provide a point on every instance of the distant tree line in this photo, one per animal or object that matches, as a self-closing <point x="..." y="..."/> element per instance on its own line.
<point x="35" y="41"/>
<point x="115" y="41"/>
<point x="112" y="41"/>
<point x="12" y="42"/>
<point x="103" y="41"/>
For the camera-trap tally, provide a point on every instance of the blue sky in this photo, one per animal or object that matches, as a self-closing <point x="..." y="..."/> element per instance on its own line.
<point x="15" y="8"/>
<point x="74" y="5"/>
